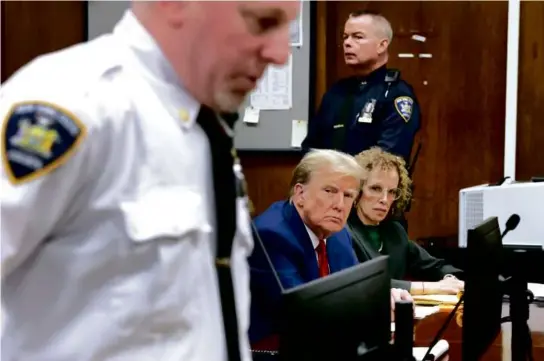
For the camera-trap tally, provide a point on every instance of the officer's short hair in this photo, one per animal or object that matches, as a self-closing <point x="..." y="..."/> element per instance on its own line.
<point x="381" y="22"/>
<point x="376" y="157"/>
<point x="332" y="160"/>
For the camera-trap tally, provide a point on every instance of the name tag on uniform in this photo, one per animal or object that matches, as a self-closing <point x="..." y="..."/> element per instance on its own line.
<point x="365" y="118"/>
<point x="366" y="113"/>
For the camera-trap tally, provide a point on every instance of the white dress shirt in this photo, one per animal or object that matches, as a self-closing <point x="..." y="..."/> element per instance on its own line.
<point x="110" y="257"/>
<point x="315" y="240"/>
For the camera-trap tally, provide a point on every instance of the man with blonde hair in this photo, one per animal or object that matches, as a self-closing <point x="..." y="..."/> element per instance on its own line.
<point x="123" y="235"/>
<point x="304" y="236"/>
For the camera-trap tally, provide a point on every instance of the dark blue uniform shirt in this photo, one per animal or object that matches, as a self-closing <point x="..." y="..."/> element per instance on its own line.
<point x="360" y="112"/>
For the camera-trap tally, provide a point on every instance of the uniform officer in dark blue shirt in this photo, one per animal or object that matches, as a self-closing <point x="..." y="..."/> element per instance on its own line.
<point x="373" y="107"/>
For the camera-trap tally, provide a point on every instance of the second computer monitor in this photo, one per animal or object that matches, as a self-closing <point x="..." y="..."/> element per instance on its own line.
<point x="482" y="307"/>
<point x="344" y="316"/>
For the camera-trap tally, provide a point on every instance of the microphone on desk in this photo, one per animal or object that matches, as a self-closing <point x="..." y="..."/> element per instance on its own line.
<point x="519" y="298"/>
<point x="429" y="356"/>
<point x="511" y="224"/>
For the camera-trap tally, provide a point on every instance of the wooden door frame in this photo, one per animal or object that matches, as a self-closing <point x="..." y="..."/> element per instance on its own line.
<point x="511" y="100"/>
<point x="319" y="26"/>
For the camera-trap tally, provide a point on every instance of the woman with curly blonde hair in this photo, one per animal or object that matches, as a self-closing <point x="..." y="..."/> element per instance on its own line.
<point x="385" y="190"/>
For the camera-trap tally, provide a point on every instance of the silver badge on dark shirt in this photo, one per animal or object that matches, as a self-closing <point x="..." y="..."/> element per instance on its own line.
<point x="365" y="116"/>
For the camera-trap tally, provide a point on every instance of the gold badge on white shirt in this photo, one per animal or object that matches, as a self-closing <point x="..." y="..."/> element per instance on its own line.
<point x="184" y="115"/>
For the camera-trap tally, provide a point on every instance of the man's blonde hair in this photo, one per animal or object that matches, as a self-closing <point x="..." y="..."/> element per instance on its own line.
<point x="376" y="157"/>
<point x="318" y="159"/>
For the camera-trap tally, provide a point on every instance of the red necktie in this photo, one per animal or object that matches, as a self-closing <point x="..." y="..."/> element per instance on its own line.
<point x="322" y="260"/>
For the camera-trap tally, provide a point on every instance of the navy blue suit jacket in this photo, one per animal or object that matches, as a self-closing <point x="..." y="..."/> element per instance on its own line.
<point x="291" y="251"/>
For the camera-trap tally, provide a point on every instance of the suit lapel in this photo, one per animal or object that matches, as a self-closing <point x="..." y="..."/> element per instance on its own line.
<point x="335" y="254"/>
<point x="368" y="249"/>
<point x="395" y="246"/>
<point x="310" y="261"/>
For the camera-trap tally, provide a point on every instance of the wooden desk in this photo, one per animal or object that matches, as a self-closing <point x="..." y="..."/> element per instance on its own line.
<point x="426" y="329"/>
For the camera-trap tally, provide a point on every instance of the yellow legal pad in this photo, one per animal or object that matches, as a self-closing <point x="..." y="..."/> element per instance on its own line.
<point x="435" y="300"/>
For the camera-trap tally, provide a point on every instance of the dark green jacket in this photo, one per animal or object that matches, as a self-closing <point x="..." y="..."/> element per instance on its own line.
<point x="406" y="258"/>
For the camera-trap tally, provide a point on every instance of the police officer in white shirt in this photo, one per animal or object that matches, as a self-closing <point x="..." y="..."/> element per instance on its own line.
<point x="109" y="224"/>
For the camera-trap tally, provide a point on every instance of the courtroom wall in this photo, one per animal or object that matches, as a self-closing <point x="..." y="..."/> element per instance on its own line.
<point x="273" y="130"/>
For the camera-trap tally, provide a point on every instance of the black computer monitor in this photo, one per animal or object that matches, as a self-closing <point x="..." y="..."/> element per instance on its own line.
<point x="483" y="292"/>
<point x="344" y="316"/>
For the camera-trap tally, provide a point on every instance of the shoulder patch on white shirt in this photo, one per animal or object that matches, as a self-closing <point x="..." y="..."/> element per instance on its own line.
<point x="38" y="137"/>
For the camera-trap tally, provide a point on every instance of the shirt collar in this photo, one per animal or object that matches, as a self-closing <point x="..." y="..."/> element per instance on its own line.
<point x="159" y="73"/>
<point x="355" y="222"/>
<point x="313" y="237"/>
<point x="376" y="76"/>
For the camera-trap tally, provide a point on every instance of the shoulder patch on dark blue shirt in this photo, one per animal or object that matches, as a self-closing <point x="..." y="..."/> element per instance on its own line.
<point x="404" y="106"/>
<point x="38" y="137"/>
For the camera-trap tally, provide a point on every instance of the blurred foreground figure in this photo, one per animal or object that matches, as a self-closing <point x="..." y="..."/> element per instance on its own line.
<point x="125" y="230"/>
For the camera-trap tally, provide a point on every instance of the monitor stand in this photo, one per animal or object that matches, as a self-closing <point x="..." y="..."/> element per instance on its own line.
<point x="404" y="331"/>
<point x="520" y="297"/>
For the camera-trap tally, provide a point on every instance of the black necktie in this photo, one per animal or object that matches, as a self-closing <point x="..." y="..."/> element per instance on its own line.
<point x="224" y="187"/>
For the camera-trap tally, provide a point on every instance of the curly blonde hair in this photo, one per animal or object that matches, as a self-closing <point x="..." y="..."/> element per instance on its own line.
<point x="376" y="157"/>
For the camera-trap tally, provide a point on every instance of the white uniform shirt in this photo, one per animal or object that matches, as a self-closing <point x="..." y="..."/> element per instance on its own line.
<point x="110" y="256"/>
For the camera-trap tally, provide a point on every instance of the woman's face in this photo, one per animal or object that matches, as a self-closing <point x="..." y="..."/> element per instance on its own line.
<point x="379" y="192"/>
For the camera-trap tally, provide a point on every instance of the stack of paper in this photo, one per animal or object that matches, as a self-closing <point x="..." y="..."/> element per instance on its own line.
<point x="421" y="312"/>
<point x="437" y="351"/>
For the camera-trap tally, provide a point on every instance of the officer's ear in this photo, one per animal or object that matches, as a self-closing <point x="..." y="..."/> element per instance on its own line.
<point x="382" y="46"/>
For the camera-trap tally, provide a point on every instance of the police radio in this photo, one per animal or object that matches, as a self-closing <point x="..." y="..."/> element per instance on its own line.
<point x="391" y="77"/>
